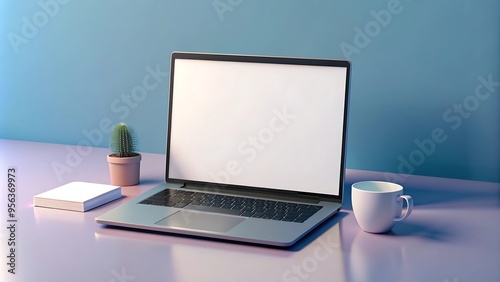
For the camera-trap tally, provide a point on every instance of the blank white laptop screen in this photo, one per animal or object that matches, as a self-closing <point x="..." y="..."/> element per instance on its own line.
<point x="265" y="125"/>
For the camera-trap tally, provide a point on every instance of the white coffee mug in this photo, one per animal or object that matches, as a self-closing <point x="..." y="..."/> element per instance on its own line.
<point x="377" y="205"/>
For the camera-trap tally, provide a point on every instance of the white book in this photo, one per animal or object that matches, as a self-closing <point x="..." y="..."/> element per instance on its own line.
<point x="78" y="196"/>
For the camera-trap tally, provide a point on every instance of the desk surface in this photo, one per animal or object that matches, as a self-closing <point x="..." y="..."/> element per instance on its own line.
<point x="452" y="235"/>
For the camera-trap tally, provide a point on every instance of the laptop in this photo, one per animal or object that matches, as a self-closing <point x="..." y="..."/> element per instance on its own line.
<point x="255" y="149"/>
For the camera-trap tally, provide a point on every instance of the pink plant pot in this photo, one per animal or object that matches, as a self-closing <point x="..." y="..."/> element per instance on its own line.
<point x="124" y="171"/>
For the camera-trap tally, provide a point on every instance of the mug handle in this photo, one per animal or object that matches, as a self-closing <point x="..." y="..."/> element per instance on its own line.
<point x="409" y="207"/>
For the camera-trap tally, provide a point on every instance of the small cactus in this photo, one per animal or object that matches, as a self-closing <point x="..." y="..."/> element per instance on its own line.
<point x="123" y="142"/>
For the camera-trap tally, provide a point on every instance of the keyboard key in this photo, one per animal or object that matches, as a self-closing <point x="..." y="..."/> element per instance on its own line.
<point x="179" y="205"/>
<point x="301" y="218"/>
<point x="247" y="214"/>
<point x="287" y="218"/>
<point x="267" y="216"/>
<point x="257" y="214"/>
<point x="237" y="207"/>
<point x="217" y="205"/>
<point x="278" y="217"/>
<point x="314" y="208"/>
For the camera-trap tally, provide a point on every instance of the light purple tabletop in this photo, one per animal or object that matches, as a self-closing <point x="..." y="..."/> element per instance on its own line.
<point x="452" y="235"/>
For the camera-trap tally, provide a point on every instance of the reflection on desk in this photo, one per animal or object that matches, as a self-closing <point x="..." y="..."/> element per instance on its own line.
<point x="185" y="259"/>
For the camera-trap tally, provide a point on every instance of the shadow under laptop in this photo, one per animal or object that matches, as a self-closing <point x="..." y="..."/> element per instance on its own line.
<point x="188" y="258"/>
<point x="318" y="231"/>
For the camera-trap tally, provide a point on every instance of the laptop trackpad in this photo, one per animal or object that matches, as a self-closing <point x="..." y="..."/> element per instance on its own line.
<point x="201" y="221"/>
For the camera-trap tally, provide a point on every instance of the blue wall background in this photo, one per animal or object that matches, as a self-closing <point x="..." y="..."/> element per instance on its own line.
<point x="421" y="102"/>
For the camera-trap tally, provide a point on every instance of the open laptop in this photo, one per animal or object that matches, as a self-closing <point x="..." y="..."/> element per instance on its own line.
<point x="255" y="149"/>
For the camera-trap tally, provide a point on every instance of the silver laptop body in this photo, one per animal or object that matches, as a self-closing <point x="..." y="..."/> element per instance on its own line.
<point x="265" y="133"/>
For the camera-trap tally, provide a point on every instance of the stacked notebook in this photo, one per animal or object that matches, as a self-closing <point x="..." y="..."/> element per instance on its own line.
<point x="78" y="196"/>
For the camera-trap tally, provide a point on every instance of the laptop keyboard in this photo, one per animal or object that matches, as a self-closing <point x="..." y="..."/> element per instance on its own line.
<point x="240" y="206"/>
